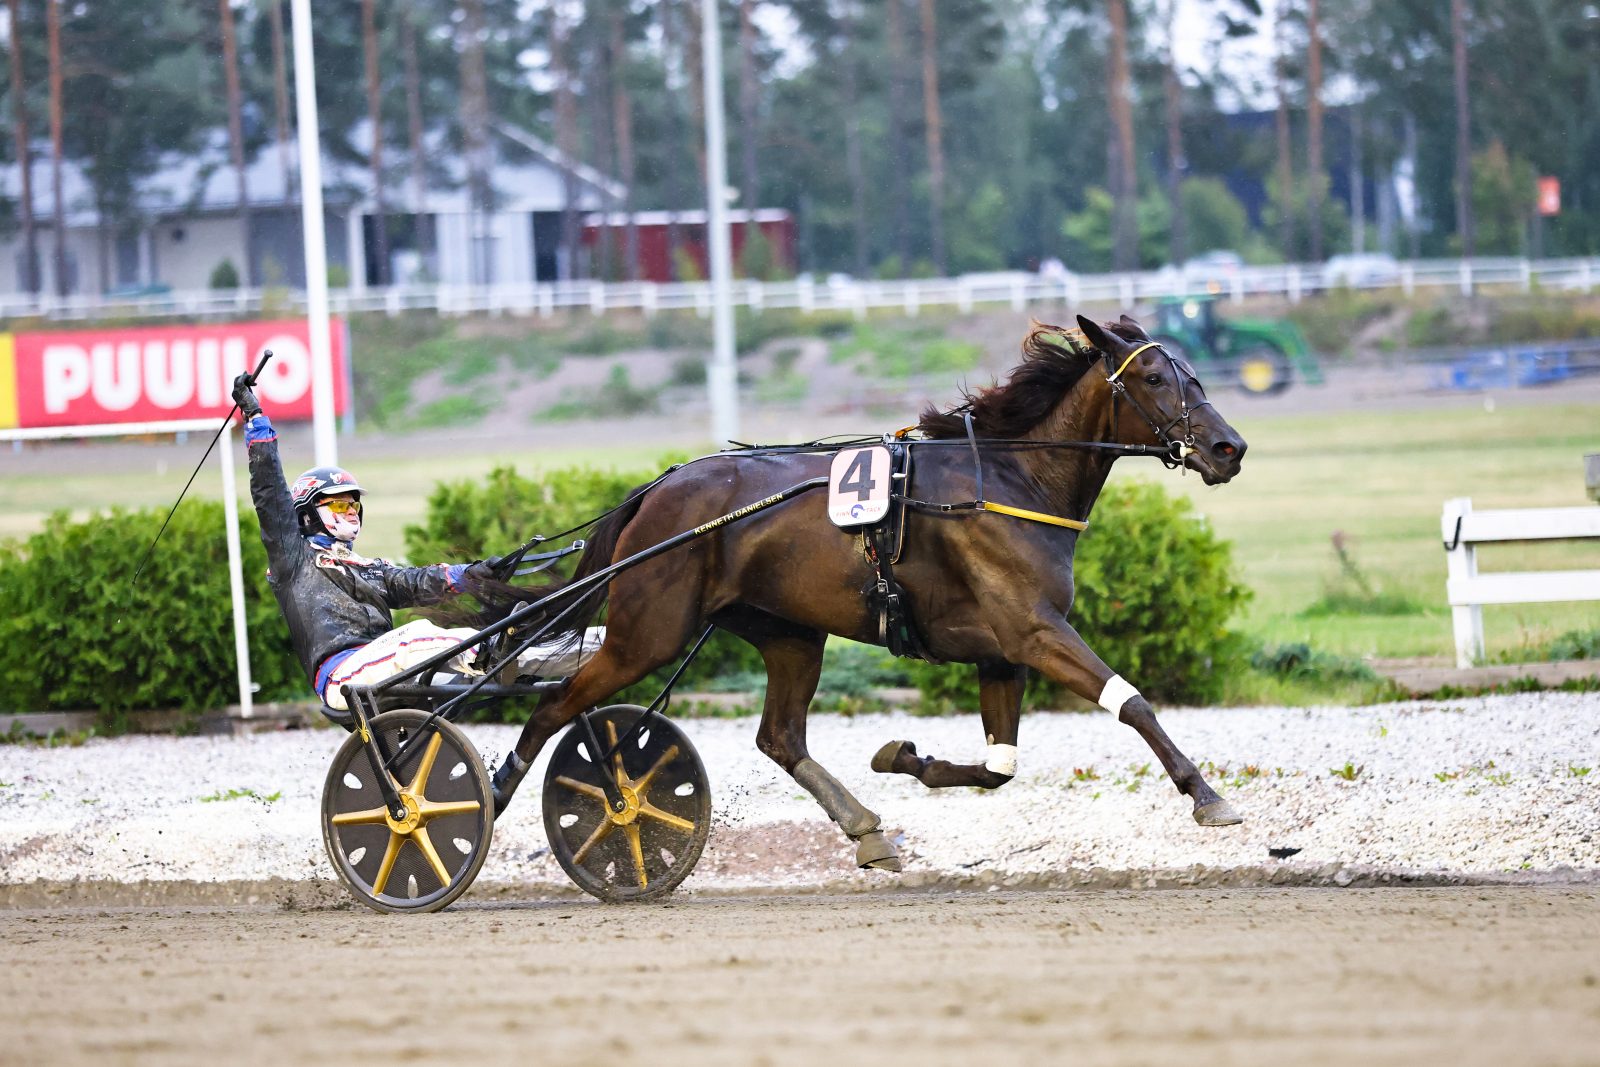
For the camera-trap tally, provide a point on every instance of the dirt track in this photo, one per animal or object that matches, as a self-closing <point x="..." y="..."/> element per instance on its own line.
<point x="1470" y="975"/>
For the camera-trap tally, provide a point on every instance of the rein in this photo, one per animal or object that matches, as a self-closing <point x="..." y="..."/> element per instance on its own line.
<point x="1171" y="452"/>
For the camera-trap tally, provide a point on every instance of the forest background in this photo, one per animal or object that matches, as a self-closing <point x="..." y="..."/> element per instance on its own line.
<point x="908" y="137"/>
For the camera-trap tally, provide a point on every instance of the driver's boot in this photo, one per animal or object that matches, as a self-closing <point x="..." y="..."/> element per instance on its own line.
<point x="506" y="779"/>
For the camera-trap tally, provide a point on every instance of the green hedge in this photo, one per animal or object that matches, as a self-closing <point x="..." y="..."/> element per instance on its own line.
<point x="76" y="633"/>
<point x="1155" y="590"/>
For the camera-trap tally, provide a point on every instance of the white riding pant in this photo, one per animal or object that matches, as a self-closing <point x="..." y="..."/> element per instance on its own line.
<point x="404" y="647"/>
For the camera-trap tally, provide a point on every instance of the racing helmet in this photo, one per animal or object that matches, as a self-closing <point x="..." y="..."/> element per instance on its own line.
<point x="315" y="484"/>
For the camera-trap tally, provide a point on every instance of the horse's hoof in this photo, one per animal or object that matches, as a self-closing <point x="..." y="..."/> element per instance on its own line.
<point x="1217" y="813"/>
<point x="873" y="850"/>
<point x="883" y="759"/>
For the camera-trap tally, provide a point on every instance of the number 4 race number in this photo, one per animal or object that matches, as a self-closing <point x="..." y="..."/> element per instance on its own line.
<point x="858" y="486"/>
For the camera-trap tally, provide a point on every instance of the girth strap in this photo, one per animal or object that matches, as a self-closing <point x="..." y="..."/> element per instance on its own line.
<point x="896" y="628"/>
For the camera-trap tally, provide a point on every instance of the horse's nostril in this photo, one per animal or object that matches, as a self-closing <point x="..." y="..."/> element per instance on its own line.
<point x="1229" y="448"/>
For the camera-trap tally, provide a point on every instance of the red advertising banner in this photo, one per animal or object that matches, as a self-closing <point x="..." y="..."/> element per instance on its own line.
<point x="158" y="373"/>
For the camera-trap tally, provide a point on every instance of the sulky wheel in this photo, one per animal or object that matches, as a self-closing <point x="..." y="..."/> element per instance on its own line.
<point x="427" y="860"/>
<point x="643" y="851"/>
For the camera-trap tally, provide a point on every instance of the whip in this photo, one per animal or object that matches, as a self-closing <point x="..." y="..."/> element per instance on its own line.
<point x="266" y="354"/>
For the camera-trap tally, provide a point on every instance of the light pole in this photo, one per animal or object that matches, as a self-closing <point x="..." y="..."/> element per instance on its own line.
<point x="305" y="99"/>
<point x="722" y="376"/>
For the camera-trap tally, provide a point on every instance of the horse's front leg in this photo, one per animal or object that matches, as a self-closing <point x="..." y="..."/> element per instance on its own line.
<point x="1059" y="653"/>
<point x="1000" y="686"/>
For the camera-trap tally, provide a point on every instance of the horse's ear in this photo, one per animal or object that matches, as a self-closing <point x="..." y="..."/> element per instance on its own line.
<point x="1133" y="324"/>
<point x="1097" y="336"/>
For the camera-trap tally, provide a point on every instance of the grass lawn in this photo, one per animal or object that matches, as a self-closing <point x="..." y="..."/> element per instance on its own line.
<point x="1382" y="480"/>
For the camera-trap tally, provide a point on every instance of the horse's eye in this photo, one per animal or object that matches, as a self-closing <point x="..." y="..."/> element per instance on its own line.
<point x="1152" y="379"/>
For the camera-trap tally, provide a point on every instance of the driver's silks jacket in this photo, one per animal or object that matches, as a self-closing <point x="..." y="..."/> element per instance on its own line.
<point x="332" y="598"/>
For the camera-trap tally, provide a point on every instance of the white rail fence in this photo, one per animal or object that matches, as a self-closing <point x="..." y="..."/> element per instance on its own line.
<point x="1468" y="591"/>
<point x="1017" y="290"/>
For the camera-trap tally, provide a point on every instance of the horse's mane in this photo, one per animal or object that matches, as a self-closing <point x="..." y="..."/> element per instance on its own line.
<point x="1053" y="359"/>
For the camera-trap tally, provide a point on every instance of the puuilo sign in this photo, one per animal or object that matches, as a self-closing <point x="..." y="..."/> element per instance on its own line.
<point x="157" y="373"/>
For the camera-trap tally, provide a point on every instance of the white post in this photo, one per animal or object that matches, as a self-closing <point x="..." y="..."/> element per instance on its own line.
<point x="1461" y="562"/>
<point x="230" y="511"/>
<point x="355" y="251"/>
<point x="305" y="99"/>
<point x="721" y="376"/>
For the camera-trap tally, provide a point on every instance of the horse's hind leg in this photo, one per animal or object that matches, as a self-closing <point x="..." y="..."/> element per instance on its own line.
<point x="793" y="657"/>
<point x="1000" y="686"/>
<point x="610" y="671"/>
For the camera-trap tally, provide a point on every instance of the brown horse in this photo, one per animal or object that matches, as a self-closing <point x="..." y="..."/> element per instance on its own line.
<point x="983" y="588"/>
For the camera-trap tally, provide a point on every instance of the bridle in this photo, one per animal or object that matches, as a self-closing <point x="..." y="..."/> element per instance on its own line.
<point x="1177" y="448"/>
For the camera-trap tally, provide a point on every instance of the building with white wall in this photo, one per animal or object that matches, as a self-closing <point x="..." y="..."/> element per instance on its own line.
<point x="190" y="221"/>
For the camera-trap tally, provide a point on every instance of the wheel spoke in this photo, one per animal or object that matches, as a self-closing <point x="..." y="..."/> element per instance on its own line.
<point x="616" y="759"/>
<point x="583" y="787"/>
<point x="643" y="785"/>
<point x="637" y="848"/>
<point x="390" y="854"/>
<point x="429" y="754"/>
<point x="430" y="810"/>
<point x="649" y="809"/>
<point x="599" y="835"/>
<point x="370" y="817"/>
<point x="420" y="836"/>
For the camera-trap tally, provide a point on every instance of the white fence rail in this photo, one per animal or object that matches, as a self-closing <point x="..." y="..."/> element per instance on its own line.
<point x="1017" y="290"/>
<point x="1464" y="529"/>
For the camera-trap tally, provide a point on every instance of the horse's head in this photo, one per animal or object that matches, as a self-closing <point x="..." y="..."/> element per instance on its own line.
<point x="1163" y="402"/>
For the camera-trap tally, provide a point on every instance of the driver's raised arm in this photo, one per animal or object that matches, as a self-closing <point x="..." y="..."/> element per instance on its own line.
<point x="269" y="492"/>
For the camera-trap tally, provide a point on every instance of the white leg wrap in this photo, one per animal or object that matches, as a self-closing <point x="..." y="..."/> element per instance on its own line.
<point x="1116" y="693"/>
<point x="1002" y="759"/>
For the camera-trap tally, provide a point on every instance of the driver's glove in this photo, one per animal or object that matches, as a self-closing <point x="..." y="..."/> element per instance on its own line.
<point x="485" y="570"/>
<point x="245" y="397"/>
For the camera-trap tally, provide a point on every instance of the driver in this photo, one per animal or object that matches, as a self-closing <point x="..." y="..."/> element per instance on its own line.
<point x="337" y="603"/>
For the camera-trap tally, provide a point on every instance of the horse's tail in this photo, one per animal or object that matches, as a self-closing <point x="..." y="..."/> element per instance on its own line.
<point x="599" y="548"/>
<point x="497" y="599"/>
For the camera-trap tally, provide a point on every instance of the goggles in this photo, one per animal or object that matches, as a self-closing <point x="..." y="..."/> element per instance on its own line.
<point x="341" y="507"/>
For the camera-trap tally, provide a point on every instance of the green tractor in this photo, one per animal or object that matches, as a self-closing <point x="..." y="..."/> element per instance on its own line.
<point x="1260" y="356"/>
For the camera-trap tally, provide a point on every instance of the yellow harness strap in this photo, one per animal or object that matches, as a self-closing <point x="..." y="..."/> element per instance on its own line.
<point x="1034" y="516"/>
<point x="1131" y="355"/>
